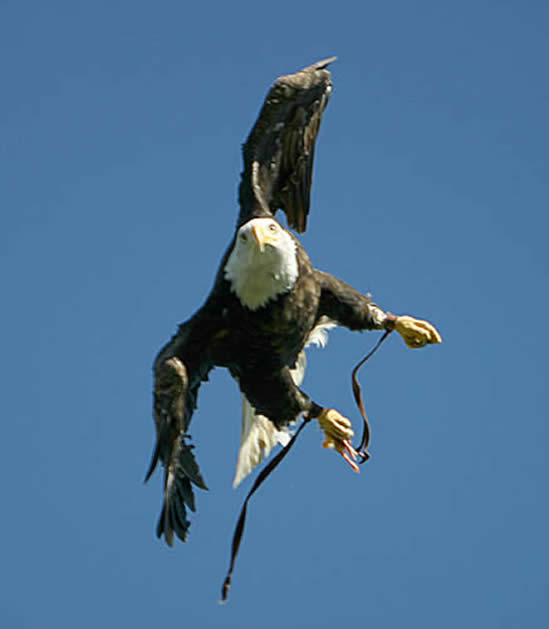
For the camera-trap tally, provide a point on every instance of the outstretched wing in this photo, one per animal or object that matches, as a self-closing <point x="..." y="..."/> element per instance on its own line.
<point x="179" y="369"/>
<point x="279" y="152"/>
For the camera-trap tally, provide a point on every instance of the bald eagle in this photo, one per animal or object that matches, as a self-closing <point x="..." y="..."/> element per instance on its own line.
<point x="268" y="303"/>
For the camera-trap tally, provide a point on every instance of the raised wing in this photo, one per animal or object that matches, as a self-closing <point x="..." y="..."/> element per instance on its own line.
<point x="279" y="152"/>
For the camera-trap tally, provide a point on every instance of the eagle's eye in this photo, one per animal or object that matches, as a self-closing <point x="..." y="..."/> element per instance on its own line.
<point x="272" y="228"/>
<point x="243" y="237"/>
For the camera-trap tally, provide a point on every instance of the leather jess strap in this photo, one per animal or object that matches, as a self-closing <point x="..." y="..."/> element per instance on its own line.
<point x="275" y="461"/>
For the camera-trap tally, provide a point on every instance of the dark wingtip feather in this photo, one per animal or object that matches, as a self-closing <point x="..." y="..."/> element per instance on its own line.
<point x="185" y="491"/>
<point x="320" y="65"/>
<point x="190" y="467"/>
<point x="178" y="494"/>
<point x="154" y="461"/>
<point x="172" y="521"/>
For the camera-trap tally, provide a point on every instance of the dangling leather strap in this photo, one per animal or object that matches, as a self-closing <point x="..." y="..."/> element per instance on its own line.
<point x="273" y="464"/>
<point x="239" y="530"/>
<point x="357" y="392"/>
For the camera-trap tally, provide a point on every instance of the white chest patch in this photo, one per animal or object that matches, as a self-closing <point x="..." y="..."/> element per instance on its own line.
<point x="258" y="275"/>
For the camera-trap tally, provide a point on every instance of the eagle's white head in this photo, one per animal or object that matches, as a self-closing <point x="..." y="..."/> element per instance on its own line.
<point x="263" y="262"/>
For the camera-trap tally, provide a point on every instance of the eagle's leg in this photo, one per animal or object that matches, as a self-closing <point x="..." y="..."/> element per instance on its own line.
<point x="275" y="395"/>
<point x="338" y="434"/>
<point x="416" y="332"/>
<point x="342" y="303"/>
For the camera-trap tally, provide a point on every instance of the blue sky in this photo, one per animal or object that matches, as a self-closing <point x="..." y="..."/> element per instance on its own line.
<point x="121" y="124"/>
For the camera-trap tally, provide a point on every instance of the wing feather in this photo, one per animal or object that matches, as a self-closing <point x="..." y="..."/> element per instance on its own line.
<point x="175" y="394"/>
<point x="279" y="152"/>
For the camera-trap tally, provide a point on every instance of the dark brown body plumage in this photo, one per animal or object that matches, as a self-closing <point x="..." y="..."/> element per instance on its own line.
<point x="258" y="347"/>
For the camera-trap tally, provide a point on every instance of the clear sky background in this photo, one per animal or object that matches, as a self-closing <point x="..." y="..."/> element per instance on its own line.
<point x="120" y="126"/>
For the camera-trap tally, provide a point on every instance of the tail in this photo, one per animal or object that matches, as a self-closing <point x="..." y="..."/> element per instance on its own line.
<point x="259" y="435"/>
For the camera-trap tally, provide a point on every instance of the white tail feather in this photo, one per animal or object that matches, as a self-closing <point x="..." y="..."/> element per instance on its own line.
<point x="259" y="435"/>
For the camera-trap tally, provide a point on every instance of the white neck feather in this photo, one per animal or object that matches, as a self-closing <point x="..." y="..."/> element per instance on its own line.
<point x="260" y="276"/>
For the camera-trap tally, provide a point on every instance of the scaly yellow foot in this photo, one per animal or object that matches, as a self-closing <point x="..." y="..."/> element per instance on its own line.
<point x="415" y="332"/>
<point x="338" y="434"/>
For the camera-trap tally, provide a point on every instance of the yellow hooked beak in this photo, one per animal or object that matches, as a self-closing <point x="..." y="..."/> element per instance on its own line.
<point x="262" y="236"/>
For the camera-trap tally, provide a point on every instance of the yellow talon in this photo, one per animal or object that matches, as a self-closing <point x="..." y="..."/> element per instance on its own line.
<point x="338" y="434"/>
<point x="416" y="332"/>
